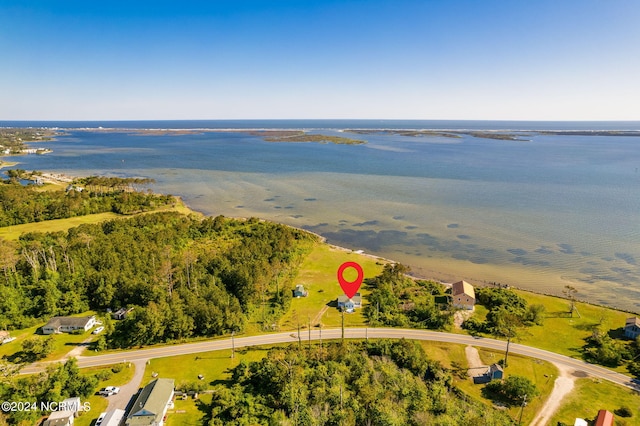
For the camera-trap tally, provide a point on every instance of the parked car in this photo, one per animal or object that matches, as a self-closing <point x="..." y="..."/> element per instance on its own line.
<point x="100" y="419"/>
<point x="98" y="330"/>
<point x="109" y="390"/>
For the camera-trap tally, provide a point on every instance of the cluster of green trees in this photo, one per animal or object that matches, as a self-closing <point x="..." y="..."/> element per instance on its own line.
<point x="366" y="383"/>
<point x="26" y="204"/>
<point x="400" y="301"/>
<point x="58" y="382"/>
<point x="508" y="312"/>
<point x="611" y="349"/>
<point x="184" y="276"/>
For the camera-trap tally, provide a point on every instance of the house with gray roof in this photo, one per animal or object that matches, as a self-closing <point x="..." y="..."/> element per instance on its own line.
<point x="68" y="324"/>
<point x="152" y="403"/>
<point x="349" y="305"/>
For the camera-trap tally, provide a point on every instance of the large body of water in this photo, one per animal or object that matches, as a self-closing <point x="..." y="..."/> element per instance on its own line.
<point x="542" y="214"/>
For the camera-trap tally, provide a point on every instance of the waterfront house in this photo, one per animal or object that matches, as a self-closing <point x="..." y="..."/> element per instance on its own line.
<point x="463" y="295"/>
<point x="150" y="407"/>
<point x="349" y="304"/>
<point x="68" y="324"/>
<point x="632" y="328"/>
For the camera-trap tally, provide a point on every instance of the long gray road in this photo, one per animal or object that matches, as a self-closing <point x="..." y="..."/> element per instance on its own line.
<point x="350" y="333"/>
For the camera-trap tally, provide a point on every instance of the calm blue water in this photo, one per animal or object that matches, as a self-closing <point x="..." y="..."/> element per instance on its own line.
<point x="541" y="214"/>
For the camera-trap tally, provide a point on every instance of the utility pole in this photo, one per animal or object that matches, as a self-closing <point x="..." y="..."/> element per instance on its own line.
<point x="233" y="344"/>
<point x="299" y="337"/>
<point x="309" y="318"/>
<point x="343" y="326"/>
<point x="320" y="325"/>
<point x="524" y="402"/>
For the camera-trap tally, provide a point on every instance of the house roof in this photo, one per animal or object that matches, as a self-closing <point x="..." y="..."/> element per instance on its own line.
<point x="632" y="321"/>
<point x="605" y="418"/>
<point x="113" y="417"/>
<point x="344" y="299"/>
<point x="56" y="322"/>
<point x="3" y="334"/>
<point x="463" y="287"/>
<point x="495" y="367"/>
<point x="150" y="403"/>
<point x="58" y="418"/>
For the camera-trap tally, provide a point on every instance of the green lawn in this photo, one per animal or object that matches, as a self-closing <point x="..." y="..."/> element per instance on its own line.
<point x="13" y="232"/>
<point x="568" y="333"/>
<point x="318" y="275"/>
<point x="212" y="365"/>
<point x="589" y="396"/>
<point x="189" y="412"/>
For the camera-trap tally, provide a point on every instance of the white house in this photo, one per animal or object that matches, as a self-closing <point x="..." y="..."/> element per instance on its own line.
<point x="349" y="305"/>
<point x="68" y="324"/>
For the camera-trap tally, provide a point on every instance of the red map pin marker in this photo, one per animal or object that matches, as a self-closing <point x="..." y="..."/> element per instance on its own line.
<point x="350" y="288"/>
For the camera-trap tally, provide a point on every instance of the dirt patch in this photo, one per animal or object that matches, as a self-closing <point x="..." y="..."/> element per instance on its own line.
<point x="476" y="367"/>
<point x="562" y="386"/>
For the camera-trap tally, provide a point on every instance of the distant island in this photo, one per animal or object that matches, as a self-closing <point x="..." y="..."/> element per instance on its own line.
<point x="302" y="136"/>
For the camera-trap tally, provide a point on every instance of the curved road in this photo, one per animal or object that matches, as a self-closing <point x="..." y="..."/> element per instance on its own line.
<point x="350" y="333"/>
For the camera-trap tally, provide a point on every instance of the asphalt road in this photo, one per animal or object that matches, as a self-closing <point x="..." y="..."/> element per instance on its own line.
<point x="350" y="333"/>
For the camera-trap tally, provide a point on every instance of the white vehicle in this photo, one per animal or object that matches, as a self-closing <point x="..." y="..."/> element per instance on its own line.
<point x="100" y="419"/>
<point x="109" y="390"/>
<point x="98" y="330"/>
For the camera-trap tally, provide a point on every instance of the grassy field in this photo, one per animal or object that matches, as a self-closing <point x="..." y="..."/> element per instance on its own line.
<point x="589" y="396"/>
<point x="214" y="366"/>
<point x="318" y="275"/>
<point x="14" y="232"/>
<point x="568" y="333"/>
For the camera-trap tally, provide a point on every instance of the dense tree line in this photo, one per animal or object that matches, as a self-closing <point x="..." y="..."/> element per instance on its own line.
<point x="25" y="204"/>
<point x="400" y="301"/>
<point x="184" y="276"/>
<point x="368" y="383"/>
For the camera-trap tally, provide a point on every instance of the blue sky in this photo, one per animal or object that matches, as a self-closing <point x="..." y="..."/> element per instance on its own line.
<point x="401" y="59"/>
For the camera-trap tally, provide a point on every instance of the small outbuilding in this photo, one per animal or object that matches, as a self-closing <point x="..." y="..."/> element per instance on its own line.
<point x="605" y="418"/>
<point x="121" y="313"/>
<point x="495" y="372"/>
<point x="300" y="291"/>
